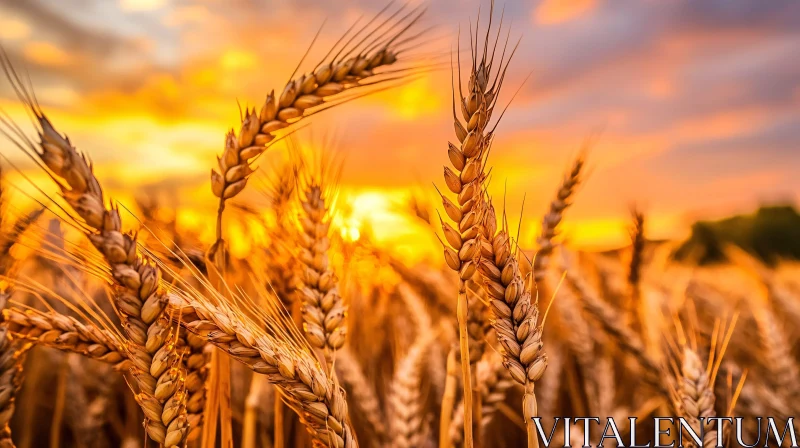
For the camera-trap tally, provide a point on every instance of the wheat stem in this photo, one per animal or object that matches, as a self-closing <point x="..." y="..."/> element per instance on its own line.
<point x="448" y="400"/>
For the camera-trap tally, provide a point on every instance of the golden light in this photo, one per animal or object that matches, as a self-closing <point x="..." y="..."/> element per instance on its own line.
<point x="13" y="29"/>
<point x="234" y="59"/>
<point x="142" y="5"/>
<point x="351" y="233"/>
<point x="415" y="100"/>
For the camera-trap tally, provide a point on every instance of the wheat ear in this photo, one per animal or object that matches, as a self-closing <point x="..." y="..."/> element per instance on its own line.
<point x="692" y="385"/>
<point x="405" y="400"/>
<point x="281" y="268"/>
<point x="693" y="397"/>
<point x="579" y="337"/>
<point x="464" y="178"/>
<point x="323" y="309"/>
<point x="350" y="69"/>
<point x="515" y="318"/>
<point x="316" y="398"/>
<point x="637" y="252"/>
<point x="139" y="300"/>
<point x="776" y="352"/>
<point x="65" y="333"/>
<point x="553" y="218"/>
<point x="362" y="393"/>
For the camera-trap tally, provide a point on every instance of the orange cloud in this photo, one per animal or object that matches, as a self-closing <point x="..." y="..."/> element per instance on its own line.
<point x="45" y="53"/>
<point x="553" y="12"/>
<point x="187" y="14"/>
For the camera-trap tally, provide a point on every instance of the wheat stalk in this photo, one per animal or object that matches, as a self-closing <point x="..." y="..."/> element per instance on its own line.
<point x="448" y="399"/>
<point x="464" y="178"/>
<point x="495" y="383"/>
<point x="476" y="323"/>
<point x="65" y="333"/>
<point x="612" y="323"/>
<point x="316" y="398"/>
<point x="352" y="67"/>
<point x="139" y="300"/>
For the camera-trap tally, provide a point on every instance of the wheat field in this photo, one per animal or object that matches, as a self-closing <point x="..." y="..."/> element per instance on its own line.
<point x="121" y="329"/>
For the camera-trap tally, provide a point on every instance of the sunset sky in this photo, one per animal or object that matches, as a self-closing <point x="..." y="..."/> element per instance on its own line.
<point x="693" y="107"/>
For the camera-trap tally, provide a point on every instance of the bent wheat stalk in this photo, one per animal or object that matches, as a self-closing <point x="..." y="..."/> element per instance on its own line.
<point x="351" y="69"/>
<point x="283" y="358"/>
<point x="67" y="334"/>
<point x="138" y="299"/>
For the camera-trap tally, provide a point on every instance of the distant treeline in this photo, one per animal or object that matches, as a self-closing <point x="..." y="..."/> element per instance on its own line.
<point x="771" y="234"/>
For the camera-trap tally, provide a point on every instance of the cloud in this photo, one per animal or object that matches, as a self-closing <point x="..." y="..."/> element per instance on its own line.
<point x="553" y="12"/>
<point x="46" y="54"/>
<point x="13" y="29"/>
<point x="142" y="5"/>
<point x="690" y="101"/>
